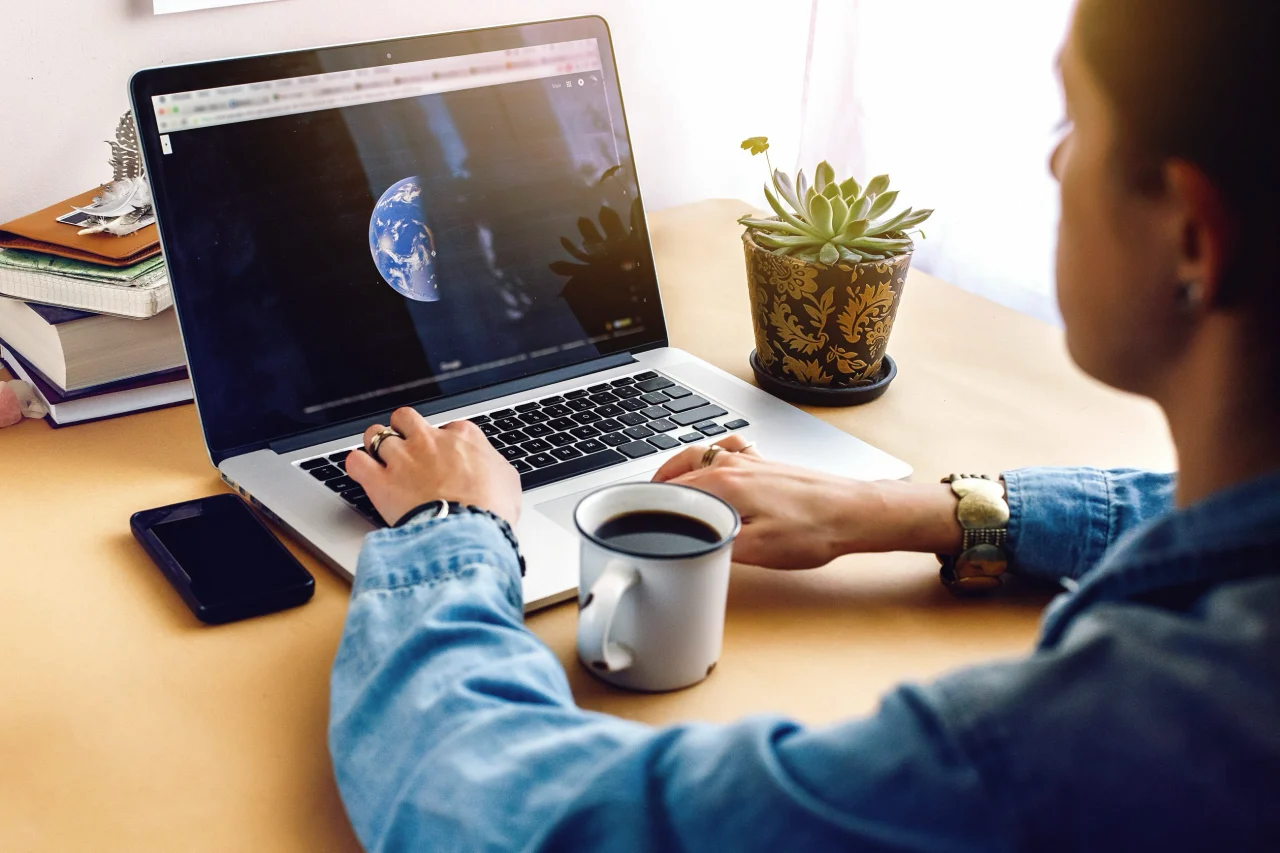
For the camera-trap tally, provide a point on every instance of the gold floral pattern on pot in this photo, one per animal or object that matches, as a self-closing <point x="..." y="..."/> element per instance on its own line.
<point x="822" y="325"/>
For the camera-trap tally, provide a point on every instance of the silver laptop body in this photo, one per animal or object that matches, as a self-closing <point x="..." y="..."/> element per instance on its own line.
<point x="465" y="155"/>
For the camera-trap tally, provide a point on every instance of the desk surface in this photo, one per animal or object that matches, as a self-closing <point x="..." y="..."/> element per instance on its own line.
<point x="126" y="725"/>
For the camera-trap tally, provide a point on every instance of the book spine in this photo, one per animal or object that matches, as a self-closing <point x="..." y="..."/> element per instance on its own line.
<point x="148" y="297"/>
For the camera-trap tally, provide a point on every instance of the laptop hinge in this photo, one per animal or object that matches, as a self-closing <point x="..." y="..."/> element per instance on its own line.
<point x="310" y="438"/>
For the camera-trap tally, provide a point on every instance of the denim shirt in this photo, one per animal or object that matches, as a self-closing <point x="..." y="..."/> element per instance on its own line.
<point x="1147" y="718"/>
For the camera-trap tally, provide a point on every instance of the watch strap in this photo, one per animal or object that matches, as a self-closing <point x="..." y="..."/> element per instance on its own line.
<point x="983" y="514"/>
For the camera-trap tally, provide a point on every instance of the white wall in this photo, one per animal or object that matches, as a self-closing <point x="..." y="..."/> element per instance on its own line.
<point x="698" y="76"/>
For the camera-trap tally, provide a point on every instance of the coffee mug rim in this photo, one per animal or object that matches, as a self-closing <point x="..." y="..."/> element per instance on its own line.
<point x="727" y="539"/>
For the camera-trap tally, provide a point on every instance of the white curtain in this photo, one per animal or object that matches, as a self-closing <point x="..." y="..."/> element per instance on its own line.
<point x="959" y="103"/>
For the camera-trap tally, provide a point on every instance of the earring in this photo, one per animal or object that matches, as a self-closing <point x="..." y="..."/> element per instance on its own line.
<point x="1192" y="294"/>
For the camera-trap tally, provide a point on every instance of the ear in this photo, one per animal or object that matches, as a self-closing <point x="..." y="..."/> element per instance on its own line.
<point x="1207" y="231"/>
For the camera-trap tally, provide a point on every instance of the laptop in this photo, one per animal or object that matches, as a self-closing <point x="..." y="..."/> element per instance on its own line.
<point x="451" y="222"/>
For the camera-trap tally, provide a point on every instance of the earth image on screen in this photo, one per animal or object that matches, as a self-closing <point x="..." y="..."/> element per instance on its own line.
<point x="403" y="249"/>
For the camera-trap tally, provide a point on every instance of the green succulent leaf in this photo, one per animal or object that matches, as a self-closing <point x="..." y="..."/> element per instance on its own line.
<point x="839" y="214"/>
<point x="853" y="229"/>
<point x="802" y="188"/>
<point x="861" y="209"/>
<point x="756" y="145"/>
<point x="832" y="191"/>
<point x="823" y="176"/>
<point x="886" y="226"/>
<point x="786" y="189"/>
<point x="784" y="215"/>
<point x="829" y="255"/>
<point x="882" y="205"/>
<point x="820" y="215"/>
<point x="807" y="257"/>
<point x="773" y="241"/>
<point x="878" y="185"/>
<point x="770" y="225"/>
<point x="879" y="244"/>
<point x="914" y="219"/>
<point x="851" y="190"/>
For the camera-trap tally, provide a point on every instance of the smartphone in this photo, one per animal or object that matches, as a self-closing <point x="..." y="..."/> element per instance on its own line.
<point x="222" y="559"/>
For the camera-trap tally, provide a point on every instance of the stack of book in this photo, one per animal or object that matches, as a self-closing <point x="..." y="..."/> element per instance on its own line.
<point x="88" y="319"/>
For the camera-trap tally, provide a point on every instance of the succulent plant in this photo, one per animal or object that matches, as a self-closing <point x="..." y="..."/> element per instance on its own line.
<point x="831" y="221"/>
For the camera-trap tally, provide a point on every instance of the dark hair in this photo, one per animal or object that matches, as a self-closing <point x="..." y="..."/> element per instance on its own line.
<point x="1197" y="80"/>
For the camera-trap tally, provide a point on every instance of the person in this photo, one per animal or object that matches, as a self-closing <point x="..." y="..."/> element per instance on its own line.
<point x="1148" y="716"/>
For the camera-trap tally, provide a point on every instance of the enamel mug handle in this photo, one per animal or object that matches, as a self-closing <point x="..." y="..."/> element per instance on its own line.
<point x="595" y="620"/>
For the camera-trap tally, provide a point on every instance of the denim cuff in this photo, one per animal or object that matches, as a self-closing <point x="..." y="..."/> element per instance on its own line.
<point x="436" y="550"/>
<point x="1059" y="520"/>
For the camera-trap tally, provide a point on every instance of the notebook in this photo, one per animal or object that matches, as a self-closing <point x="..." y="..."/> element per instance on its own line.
<point x="137" y="291"/>
<point x="137" y="394"/>
<point x="41" y="232"/>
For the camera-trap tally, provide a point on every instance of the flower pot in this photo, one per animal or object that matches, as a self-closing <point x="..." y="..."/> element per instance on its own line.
<point x="820" y="326"/>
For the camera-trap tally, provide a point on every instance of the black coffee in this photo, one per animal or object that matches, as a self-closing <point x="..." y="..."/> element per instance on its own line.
<point x="657" y="534"/>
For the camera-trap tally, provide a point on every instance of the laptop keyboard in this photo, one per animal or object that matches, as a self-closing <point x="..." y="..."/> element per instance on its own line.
<point x="577" y="432"/>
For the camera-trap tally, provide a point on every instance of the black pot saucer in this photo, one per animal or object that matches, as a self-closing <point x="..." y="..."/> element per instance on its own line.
<point x="812" y="395"/>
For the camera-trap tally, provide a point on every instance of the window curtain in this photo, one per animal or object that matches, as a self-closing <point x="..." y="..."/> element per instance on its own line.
<point x="959" y="103"/>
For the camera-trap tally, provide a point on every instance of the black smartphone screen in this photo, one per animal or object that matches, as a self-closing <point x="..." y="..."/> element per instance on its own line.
<point x="224" y="561"/>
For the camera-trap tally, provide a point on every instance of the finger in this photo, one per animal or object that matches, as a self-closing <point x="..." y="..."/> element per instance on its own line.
<point x="370" y="433"/>
<point x="393" y="449"/>
<point x="362" y="468"/>
<point x="466" y="430"/>
<point x="737" y="444"/>
<point x="408" y="422"/>
<point x="684" y="462"/>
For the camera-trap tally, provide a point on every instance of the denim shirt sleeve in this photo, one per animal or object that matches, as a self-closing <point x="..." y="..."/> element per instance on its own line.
<point x="1062" y="520"/>
<point x="453" y="728"/>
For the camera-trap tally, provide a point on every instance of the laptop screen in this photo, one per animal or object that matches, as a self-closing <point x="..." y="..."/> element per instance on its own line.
<point x="357" y="228"/>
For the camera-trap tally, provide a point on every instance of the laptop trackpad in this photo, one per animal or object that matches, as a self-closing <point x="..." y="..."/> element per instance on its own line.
<point x="560" y="510"/>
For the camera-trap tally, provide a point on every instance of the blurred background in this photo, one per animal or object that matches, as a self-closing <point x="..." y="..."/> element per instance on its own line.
<point x="958" y="102"/>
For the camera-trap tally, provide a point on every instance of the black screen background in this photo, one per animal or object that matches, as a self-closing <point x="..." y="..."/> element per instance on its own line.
<point x="266" y="234"/>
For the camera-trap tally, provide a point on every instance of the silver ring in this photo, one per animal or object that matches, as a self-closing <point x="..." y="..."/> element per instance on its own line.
<point x="379" y="437"/>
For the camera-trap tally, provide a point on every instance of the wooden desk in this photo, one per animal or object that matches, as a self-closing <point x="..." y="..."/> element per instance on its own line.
<point x="126" y="725"/>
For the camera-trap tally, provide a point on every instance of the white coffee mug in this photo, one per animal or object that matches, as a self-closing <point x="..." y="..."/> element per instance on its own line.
<point x="647" y="622"/>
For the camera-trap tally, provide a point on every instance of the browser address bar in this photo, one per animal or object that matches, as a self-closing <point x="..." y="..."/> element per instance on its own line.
<point x="292" y="95"/>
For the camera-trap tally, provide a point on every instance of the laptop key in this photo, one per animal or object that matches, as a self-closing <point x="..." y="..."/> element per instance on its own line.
<point x="526" y="407"/>
<point x="541" y="460"/>
<point x="575" y="394"/>
<point x="655" y="384"/>
<point x="632" y="419"/>
<point x="538" y="445"/>
<point x="603" y="398"/>
<point x="596" y="389"/>
<point x="661" y="425"/>
<point x="626" y="380"/>
<point x="686" y="403"/>
<point x="557" y="410"/>
<point x="634" y="405"/>
<point x="341" y="484"/>
<point x="738" y="424"/>
<point x="640" y="377"/>
<point x="626" y="392"/>
<point x="312" y="464"/>
<point x="609" y="411"/>
<point x="488" y="428"/>
<point x="502" y="413"/>
<point x="521" y="466"/>
<point x="515" y="436"/>
<point x="512" y="453"/>
<point x="550" y="401"/>
<point x="638" y="432"/>
<point x="591" y="445"/>
<point x="341" y="464"/>
<point x="581" y="405"/>
<point x="663" y="442"/>
<point x="566" y="453"/>
<point x="352" y="495"/>
<point x="636" y="449"/>
<point x="481" y="419"/>
<point x="655" y="398"/>
<point x="505" y="424"/>
<point x="538" y="430"/>
<point x="561" y="424"/>
<point x="694" y="416"/>
<point x="608" y="425"/>
<point x="340" y="456"/>
<point x="653" y="412"/>
<point x="584" y="432"/>
<point x="495" y="441"/>
<point x="676" y="392"/>
<point x="328" y="472"/>
<point x="560" y="439"/>
<point x="572" y="468"/>
<point x="691" y="437"/>
<point x="535" y="417"/>
<point x="614" y="439"/>
<point x="712" y="429"/>
<point x="587" y="417"/>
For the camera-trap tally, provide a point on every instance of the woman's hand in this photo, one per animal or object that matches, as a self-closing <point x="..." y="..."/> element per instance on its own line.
<point x="794" y="518"/>
<point x="452" y="463"/>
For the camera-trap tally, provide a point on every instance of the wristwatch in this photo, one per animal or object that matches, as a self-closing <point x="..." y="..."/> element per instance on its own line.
<point x="983" y="513"/>
<point x="443" y="509"/>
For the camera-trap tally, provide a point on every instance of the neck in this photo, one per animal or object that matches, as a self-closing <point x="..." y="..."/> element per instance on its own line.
<point x="1223" y="426"/>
